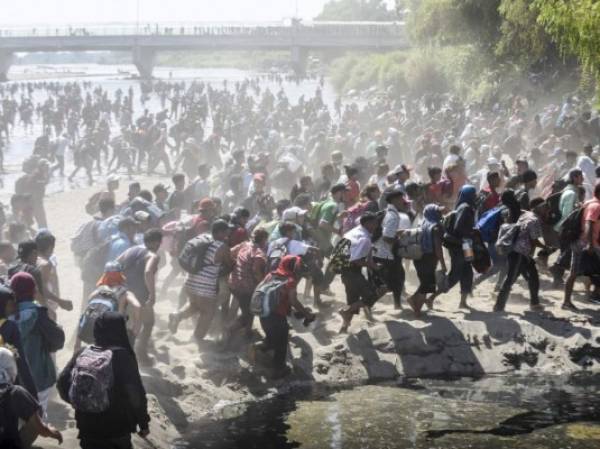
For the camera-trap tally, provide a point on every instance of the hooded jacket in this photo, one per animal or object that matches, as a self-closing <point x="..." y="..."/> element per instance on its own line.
<point x="128" y="409"/>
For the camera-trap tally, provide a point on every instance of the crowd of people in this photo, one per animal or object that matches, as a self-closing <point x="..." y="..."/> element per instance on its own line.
<point x="262" y="193"/>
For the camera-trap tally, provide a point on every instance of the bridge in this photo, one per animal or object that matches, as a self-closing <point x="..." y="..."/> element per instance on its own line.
<point x="145" y="41"/>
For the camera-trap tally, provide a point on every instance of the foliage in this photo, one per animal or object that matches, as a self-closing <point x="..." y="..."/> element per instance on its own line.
<point x="349" y="10"/>
<point x="575" y="26"/>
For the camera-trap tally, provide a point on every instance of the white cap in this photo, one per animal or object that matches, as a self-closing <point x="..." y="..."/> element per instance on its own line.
<point x="292" y="213"/>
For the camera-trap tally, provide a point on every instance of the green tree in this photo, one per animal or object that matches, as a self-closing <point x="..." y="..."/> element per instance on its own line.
<point x="575" y="27"/>
<point x="349" y="10"/>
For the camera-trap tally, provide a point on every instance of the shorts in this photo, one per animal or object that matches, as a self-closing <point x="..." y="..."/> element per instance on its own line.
<point x="425" y="267"/>
<point x="576" y="257"/>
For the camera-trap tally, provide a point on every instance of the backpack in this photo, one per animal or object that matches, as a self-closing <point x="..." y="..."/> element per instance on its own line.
<point x="340" y="257"/>
<point x="84" y="238"/>
<point x="409" y="244"/>
<point x="103" y="300"/>
<point x="570" y="229"/>
<point x="353" y="216"/>
<point x="506" y="238"/>
<point x="279" y="251"/>
<point x="267" y="296"/>
<point x="489" y="224"/>
<point x="92" y="265"/>
<point x="193" y="253"/>
<point x="554" y="204"/>
<point x="92" y="380"/>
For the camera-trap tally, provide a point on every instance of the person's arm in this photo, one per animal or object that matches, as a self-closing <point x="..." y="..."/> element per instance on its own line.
<point x="588" y="235"/>
<point x="128" y="302"/>
<point x="46" y="272"/>
<point x="223" y="256"/>
<point x="297" y="305"/>
<point x="44" y="430"/>
<point x="258" y="269"/>
<point x="127" y="374"/>
<point x="439" y="250"/>
<point x="150" y="277"/>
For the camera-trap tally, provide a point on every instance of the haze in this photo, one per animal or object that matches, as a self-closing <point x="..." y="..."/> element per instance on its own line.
<point x="97" y="11"/>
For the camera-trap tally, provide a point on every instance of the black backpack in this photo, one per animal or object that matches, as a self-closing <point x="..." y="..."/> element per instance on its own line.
<point x="570" y="230"/>
<point x="103" y="300"/>
<point x="9" y="435"/>
<point x="555" y="214"/>
<point x="191" y="258"/>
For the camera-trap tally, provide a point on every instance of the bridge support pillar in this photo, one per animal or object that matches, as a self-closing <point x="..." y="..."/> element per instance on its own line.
<point x="144" y="59"/>
<point x="299" y="60"/>
<point x="6" y="60"/>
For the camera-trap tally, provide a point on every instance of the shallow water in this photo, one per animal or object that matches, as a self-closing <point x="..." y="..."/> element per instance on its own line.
<point x="111" y="78"/>
<point x="496" y="412"/>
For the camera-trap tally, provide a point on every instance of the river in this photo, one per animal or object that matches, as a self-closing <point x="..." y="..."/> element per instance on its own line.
<point x="112" y="78"/>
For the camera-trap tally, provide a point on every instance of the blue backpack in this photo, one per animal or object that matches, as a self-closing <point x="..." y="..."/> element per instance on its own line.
<point x="489" y="224"/>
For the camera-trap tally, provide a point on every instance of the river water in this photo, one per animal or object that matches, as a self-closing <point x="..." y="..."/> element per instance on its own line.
<point x="112" y="78"/>
<point x="491" y="413"/>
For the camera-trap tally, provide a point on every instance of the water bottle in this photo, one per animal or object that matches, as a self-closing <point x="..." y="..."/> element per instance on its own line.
<point x="467" y="247"/>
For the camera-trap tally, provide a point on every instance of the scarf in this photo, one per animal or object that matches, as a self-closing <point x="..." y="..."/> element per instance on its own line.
<point x="286" y="269"/>
<point x="112" y="279"/>
<point x="432" y="216"/>
<point x="467" y="195"/>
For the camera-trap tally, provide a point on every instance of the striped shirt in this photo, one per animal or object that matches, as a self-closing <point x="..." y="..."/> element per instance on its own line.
<point x="205" y="283"/>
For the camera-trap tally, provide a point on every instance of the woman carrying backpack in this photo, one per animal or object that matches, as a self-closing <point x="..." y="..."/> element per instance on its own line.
<point x="433" y="253"/>
<point x="458" y="237"/>
<point x="116" y="411"/>
<point x="275" y="326"/>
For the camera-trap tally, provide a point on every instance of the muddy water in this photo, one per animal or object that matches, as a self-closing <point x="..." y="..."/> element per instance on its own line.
<point x="492" y="413"/>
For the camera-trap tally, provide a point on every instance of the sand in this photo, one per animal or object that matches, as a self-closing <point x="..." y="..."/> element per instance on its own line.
<point x="188" y="383"/>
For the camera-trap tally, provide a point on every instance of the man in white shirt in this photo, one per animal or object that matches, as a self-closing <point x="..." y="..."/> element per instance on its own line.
<point x="395" y="219"/>
<point x="359" y="291"/>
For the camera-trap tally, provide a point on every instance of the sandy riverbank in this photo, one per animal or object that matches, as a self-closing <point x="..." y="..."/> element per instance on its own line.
<point x="186" y="384"/>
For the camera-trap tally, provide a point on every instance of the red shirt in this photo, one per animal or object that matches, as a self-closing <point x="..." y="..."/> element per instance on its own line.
<point x="249" y="259"/>
<point x="492" y="200"/>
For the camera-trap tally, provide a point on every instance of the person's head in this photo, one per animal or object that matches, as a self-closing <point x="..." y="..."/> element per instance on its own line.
<point x="220" y="230"/>
<point x="287" y="229"/>
<point x="338" y="191"/>
<point x="207" y="209"/>
<point x="529" y="179"/>
<point x="435" y="174"/>
<point x="328" y="171"/>
<point x="306" y="182"/>
<point x="371" y="192"/>
<point x="112" y="183"/>
<point x="291" y="267"/>
<point x="110" y="331"/>
<point x="45" y="242"/>
<point x="24" y="287"/>
<point x="153" y="239"/>
<point x="7" y="301"/>
<point x="146" y="195"/>
<point x="539" y="207"/>
<point x="351" y="172"/>
<point x="303" y="201"/>
<point x="8" y="367"/>
<point x="402" y="173"/>
<point x="397" y="198"/>
<point x="178" y="181"/>
<point x="113" y="275"/>
<point x="107" y="207"/>
<point x="522" y="166"/>
<point x="494" y="180"/>
<point x="282" y="205"/>
<point x="260" y="237"/>
<point x="576" y="177"/>
<point x="128" y="226"/>
<point x="454" y="149"/>
<point x="588" y="149"/>
<point x="241" y="215"/>
<point x="134" y="190"/>
<point x="203" y="171"/>
<point x="369" y="221"/>
<point x="161" y="193"/>
<point x="28" y="252"/>
<point x="467" y="195"/>
<point x="381" y="152"/>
